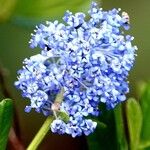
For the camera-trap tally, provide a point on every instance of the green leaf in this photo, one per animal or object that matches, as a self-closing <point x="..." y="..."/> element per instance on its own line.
<point x="32" y="12"/>
<point x="6" y="114"/>
<point x="104" y="137"/>
<point x="143" y="145"/>
<point x="93" y="140"/>
<point x="120" y="130"/>
<point x="134" y="121"/>
<point x="63" y="115"/>
<point x="145" y="106"/>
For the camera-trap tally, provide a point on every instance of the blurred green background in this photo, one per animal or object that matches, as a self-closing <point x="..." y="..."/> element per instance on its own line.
<point x="17" y="21"/>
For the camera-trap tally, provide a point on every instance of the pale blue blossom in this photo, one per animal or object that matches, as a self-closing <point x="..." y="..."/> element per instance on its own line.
<point x="90" y="60"/>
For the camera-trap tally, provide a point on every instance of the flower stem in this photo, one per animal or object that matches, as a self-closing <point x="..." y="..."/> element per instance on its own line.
<point x="45" y="127"/>
<point x="41" y="134"/>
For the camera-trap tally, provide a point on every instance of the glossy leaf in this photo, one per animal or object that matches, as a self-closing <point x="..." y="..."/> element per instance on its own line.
<point x="134" y="122"/>
<point x="6" y="114"/>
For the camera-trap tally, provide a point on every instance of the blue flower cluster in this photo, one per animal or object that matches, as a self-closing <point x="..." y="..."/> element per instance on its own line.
<point x="89" y="60"/>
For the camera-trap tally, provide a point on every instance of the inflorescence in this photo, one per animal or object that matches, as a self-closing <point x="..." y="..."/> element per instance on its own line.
<point x="88" y="60"/>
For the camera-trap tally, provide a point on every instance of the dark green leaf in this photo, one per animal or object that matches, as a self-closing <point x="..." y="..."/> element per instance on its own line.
<point x="93" y="140"/>
<point x="120" y="130"/>
<point x="134" y="121"/>
<point x="104" y="137"/>
<point x="6" y="113"/>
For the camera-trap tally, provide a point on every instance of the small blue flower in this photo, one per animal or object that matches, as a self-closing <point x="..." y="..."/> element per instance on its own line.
<point x="90" y="60"/>
<point x="58" y="126"/>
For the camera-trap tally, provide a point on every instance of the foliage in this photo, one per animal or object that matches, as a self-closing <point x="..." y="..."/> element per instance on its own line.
<point x="6" y="113"/>
<point x="131" y="130"/>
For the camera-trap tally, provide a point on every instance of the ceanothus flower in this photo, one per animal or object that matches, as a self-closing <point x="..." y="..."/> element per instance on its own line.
<point x="89" y="60"/>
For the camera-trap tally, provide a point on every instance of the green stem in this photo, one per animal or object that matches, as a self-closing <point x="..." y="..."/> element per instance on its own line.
<point x="41" y="134"/>
<point x="45" y="127"/>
